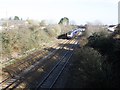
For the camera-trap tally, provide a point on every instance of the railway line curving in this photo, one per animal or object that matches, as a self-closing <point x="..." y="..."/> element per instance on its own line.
<point x="26" y="70"/>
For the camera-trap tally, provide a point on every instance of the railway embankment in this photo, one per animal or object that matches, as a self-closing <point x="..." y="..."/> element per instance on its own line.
<point x="18" y="40"/>
<point x="33" y="70"/>
<point x="96" y="64"/>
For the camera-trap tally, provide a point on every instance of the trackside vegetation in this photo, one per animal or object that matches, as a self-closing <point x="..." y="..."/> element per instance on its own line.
<point x="20" y="38"/>
<point x="96" y="64"/>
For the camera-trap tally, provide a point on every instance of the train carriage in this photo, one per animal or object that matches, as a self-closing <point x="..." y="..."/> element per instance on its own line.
<point x="73" y="34"/>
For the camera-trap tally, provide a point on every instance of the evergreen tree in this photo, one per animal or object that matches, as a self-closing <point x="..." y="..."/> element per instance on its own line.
<point x="16" y="18"/>
<point x="64" y="21"/>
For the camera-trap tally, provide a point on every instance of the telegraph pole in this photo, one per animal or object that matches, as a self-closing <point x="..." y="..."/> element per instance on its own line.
<point x="119" y="12"/>
<point x="7" y="19"/>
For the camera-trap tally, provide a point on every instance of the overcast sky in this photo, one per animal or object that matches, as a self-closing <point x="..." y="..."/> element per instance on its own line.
<point x="78" y="11"/>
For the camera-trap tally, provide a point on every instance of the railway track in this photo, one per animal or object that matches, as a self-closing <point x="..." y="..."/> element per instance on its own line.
<point x="24" y="68"/>
<point x="51" y="78"/>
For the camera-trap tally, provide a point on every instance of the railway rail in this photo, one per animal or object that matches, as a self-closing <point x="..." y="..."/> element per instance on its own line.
<point x="54" y="74"/>
<point x="25" y="67"/>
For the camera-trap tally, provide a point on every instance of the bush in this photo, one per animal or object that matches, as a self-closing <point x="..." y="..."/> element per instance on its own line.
<point x="83" y="41"/>
<point x="116" y="33"/>
<point x="27" y="37"/>
<point x="91" y="29"/>
<point x="101" y="43"/>
<point x="87" y="69"/>
<point x="53" y="30"/>
<point x="16" y="42"/>
<point x="109" y="47"/>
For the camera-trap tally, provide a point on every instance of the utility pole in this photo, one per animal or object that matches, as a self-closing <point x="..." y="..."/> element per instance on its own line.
<point x="6" y="19"/>
<point x="119" y="12"/>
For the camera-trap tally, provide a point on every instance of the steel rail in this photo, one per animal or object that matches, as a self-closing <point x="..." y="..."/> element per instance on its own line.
<point x="14" y="80"/>
<point x="52" y="70"/>
<point x="61" y="70"/>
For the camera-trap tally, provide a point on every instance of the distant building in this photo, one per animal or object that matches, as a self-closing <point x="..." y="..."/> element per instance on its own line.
<point x="119" y="12"/>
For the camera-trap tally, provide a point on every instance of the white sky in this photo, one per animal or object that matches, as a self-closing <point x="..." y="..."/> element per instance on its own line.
<point x="79" y="11"/>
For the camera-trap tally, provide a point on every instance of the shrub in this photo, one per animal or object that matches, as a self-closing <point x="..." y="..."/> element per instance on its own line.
<point x="87" y="69"/>
<point x="116" y="33"/>
<point x="91" y="29"/>
<point x="83" y="41"/>
<point x="100" y="42"/>
<point x="53" y="30"/>
<point x="22" y="38"/>
<point x="109" y="47"/>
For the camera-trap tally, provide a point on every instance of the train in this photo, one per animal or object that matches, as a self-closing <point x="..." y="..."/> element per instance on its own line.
<point x="111" y="28"/>
<point x="74" y="33"/>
